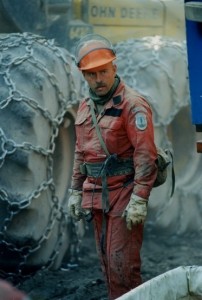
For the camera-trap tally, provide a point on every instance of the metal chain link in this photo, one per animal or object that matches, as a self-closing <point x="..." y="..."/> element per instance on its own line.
<point x="150" y="49"/>
<point x="9" y="146"/>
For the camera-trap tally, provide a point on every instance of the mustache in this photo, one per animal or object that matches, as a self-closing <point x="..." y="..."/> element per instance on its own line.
<point x="100" y="84"/>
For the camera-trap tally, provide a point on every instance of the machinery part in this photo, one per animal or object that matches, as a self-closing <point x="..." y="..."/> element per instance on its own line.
<point x="37" y="99"/>
<point x="35" y="16"/>
<point x="179" y="283"/>
<point x="27" y="16"/>
<point x="194" y="45"/>
<point x="120" y="20"/>
<point x="193" y="11"/>
<point x="45" y="17"/>
<point x="68" y="20"/>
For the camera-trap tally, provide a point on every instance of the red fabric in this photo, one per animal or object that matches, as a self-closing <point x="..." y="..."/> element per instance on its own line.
<point x="9" y="292"/>
<point x="122" y="137"/>
<point x="121" y="261"/>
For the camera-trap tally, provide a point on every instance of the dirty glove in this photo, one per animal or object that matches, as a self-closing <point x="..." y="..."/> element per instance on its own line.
<point x="136" y="211"/>
<point x="74" y="204"/>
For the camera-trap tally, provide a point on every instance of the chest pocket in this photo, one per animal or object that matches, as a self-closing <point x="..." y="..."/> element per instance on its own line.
<point x="82" y="125"/>
<point x="110" y="123"/>
<point x="112" y="130"/>
<point x="82" y="117"/>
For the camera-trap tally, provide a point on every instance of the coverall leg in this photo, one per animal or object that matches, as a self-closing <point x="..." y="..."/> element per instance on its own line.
<point x="121" y="261"/>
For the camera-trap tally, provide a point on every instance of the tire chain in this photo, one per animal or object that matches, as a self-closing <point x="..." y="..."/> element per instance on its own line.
<point x="8" y="146"/>
<point x="152" y="47"/>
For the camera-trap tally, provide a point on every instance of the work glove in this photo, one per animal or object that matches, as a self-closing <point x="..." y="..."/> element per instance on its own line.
<point x="136" y="211"/>
<point x="74" y="204"/>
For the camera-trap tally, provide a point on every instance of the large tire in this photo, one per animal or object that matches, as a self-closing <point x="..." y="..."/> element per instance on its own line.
<point x="37" y="100"/>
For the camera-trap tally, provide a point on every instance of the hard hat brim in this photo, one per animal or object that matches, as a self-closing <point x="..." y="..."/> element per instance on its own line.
<point x="96" y="58"/>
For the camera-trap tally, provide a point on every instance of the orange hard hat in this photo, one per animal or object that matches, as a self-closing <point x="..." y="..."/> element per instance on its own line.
<point x="93" y="51"/>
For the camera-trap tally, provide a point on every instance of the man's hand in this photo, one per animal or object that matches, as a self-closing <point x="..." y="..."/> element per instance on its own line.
<point x="136" y="211"/>
<point x="74" y="204"/>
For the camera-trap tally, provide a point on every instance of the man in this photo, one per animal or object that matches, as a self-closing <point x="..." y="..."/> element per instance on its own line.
<point x="114" y="165"/>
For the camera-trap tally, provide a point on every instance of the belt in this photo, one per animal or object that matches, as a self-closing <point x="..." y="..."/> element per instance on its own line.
<point x="112" y="166"/>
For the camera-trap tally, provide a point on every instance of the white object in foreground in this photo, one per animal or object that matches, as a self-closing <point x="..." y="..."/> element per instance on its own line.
<point x="180" y="283"/>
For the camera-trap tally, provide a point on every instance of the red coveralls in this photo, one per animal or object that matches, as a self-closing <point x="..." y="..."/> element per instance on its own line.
<point x="118" y="123"/>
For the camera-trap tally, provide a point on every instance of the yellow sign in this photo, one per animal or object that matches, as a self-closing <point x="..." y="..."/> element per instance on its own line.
<point x="124" y="12"/>
<point x="123" y="19"/>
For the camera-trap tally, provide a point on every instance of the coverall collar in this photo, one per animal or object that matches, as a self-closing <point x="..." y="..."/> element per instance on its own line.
<point x="116" y="99"/>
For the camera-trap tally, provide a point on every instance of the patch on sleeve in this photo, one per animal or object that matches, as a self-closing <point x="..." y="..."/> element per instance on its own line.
<point x="141" y="121"/>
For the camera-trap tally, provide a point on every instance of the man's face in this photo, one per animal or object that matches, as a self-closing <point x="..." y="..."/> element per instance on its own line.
<point x="101" y="79"/>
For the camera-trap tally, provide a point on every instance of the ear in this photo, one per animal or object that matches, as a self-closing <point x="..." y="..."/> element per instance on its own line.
<point x="115" y="68"/>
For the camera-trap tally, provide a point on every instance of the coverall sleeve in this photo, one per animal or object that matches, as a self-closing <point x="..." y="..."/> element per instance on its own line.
<point x="141" y="135"/>
<point x="77" y="177"/>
